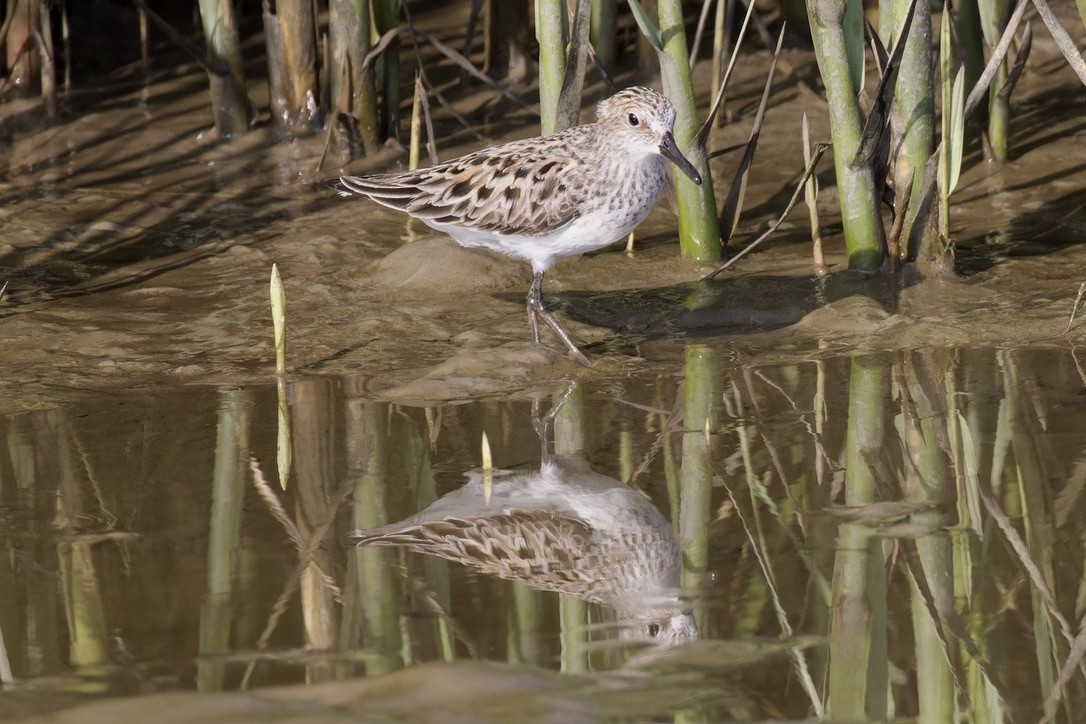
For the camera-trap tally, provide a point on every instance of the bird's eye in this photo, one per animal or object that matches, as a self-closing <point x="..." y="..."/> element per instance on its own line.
<point x="654" y="628"/>
<point x="633" y="119"/>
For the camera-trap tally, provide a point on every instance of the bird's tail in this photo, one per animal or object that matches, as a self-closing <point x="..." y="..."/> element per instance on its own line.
<point x="350" y="186"/>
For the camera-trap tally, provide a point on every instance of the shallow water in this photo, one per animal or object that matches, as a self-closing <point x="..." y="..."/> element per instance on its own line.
<point x="146" y="552"/>
<point x="867" y="493"/>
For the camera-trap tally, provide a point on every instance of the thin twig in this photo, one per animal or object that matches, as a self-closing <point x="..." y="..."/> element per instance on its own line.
<point x="819" y="150"/>
<point x="702" y="18"/>
<point x="703" y="132"/>
<point x="1078" y="299"/>
<point x="1063" y="40"/>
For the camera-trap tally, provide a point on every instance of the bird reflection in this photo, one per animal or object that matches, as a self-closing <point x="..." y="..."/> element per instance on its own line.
<point x="561" y="528"/>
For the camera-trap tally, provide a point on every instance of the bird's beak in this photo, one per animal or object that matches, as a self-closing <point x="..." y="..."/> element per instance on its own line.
<point x="670" y="151"/>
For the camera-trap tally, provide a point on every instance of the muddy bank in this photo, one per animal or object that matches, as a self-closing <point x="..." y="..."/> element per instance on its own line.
<point x="140" y="257"/>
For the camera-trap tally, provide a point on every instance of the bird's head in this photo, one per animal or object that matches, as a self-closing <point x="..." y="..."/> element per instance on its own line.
<point x="643" y="121"/>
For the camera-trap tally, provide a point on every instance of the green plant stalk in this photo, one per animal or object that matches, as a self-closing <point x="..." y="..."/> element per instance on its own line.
<point x="379" y="595"/>
<point x="420" y="477"/>
<point x="224" y="536"/>
<point x="573" y="617"/>
<point x="388" y="14"/>
<point x="946" y="73"/>
<point x="914" y="96"/>
<point x="1081" y="11"/>
<point x="701" y="375"/>
<point x="1037" y="520"/>
<point x="926" y="483"/>
<point x="993" y="16"/>
<point x="602" y="32"/>
<point x="851" y="630"/>
<point x="525" y="625"/>
<point x="625" y="454"/>
<point x="229" y="101"/>
<point x="364" y="95"/>
<point x="671" y="473"/>
<point x="999" y="116"/>
<point x="969" y="601"/>
<point x="970" y="40"/>
<point x="699" y="228"/>
<point x="551" y="30"/>
<point x="569" y="426"/>
<point x="865" y="239"/>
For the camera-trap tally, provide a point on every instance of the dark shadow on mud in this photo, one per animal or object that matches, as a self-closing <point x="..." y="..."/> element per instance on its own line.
<point x="1056" y="225"/>
<point x="741" y="305"/>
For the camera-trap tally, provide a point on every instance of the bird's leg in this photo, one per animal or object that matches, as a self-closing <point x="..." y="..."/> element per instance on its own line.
<point x="533" y="300"/>
<point x="535" y="306"/>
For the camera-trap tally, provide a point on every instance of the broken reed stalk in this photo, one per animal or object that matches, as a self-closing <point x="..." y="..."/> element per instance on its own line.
<point x="351" y="81"/>
<point x="297" y="33"/>
<point x="810" y="196"/>
<point x="229" y="100"/>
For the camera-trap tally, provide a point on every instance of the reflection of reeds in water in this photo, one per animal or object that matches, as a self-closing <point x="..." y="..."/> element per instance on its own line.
<point x="224" y="536"/>
<point x="919" y="513"/>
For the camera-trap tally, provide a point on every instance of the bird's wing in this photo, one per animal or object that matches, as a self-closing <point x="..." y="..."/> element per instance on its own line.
<point x="541" y="548"/>
<point x="520" y="188"/>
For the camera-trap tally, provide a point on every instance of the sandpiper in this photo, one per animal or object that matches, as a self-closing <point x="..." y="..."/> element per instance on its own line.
<point x="544" y="199"/>
<point x="561" y="528"/>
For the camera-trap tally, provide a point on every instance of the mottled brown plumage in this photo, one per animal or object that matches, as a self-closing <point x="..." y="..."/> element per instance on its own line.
<point x="561" y="529"/>
<point x="544" y="199"/>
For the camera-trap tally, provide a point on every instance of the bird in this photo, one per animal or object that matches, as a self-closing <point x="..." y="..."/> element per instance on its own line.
<point x="560" y="528"/>
<point x="543" y="199"/>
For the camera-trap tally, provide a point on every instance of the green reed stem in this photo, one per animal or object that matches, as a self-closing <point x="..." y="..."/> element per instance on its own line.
<point x="603" y="35"/>
<point x="699" y="228"/>
<point x="865" y="238"/>
<point x="852" y="627"/>
<point x="914" y="96"/>
<point x="552" y="32"/>
<point x="224" y="536"/>
<point x="993" y="17"/>
<point x="701" y="376"/>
